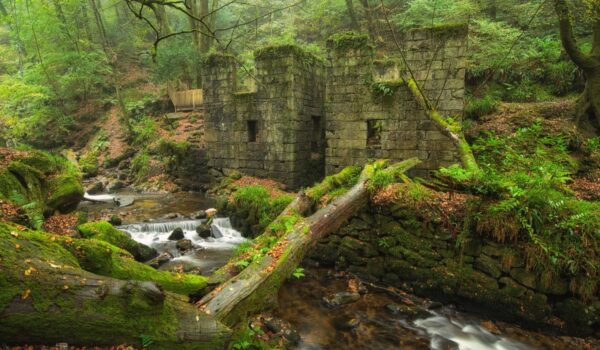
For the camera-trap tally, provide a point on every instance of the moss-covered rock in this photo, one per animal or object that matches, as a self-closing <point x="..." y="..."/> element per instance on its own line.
<point x="105" y="259"/>
<point x="46" y="297"/>
<point x="41" y="182"/>
<point x="104" y="231"/>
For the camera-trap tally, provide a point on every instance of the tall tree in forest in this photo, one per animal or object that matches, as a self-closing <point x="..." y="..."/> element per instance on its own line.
<point x="352" y="14"/>
<point x="589" y="63"/>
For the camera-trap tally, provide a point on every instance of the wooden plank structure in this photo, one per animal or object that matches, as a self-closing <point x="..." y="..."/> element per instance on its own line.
<point x="186" y="100"/>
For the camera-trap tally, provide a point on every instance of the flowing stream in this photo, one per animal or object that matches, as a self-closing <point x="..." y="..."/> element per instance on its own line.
<point x="207" y="254"/>
<point x="371" y="322"/>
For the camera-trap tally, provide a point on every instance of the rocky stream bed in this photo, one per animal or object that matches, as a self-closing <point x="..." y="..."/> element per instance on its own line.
<point x="325" y="309"/>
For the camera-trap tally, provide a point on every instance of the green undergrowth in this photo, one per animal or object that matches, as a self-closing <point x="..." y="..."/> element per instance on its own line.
<point x="334" y="186"/>
<point x="247" y="338"/>
<point x="258" y="207"/>
<point x="248" y="253"/>
<point x="521" y="194"/>
<point x="41" y="183"/>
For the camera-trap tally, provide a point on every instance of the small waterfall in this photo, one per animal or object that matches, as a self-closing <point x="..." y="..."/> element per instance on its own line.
<point x="162" y="227"/>
<point x="99" y="197"/>
<point x="209" y="253"/>
<point x="444" y="331"/>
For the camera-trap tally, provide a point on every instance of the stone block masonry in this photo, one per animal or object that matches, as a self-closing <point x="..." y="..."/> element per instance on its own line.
<point x="308" y="117"/>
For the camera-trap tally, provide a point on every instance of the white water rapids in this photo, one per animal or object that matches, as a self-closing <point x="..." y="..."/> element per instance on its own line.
<point x="446" y="333"/>
<point x="208" y="253"/>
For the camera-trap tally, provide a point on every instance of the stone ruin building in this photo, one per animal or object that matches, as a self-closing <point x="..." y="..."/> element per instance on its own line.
<point x="307" y="118"/>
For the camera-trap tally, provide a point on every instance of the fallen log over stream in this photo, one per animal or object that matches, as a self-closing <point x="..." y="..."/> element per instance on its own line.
<point x="256" y="286"/>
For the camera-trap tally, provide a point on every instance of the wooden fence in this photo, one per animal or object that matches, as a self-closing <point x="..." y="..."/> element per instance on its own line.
<point x="187" y="100"/>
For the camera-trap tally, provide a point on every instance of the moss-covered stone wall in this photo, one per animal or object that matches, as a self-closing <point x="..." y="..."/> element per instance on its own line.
<point x="394" y="246"/>
<point x="307" y="118"/>
<point x="365" y="92"/>
<point x="289" y="92"/>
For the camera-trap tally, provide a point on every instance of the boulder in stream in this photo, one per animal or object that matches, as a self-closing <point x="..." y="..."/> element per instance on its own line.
<point x="177" y="234"/>
<point x="203" y="231"/>
<point x="96" y="188"/>
<point x="341" y="298"/>
<point x="184" y="244"/>
<point x="161" y="259"/>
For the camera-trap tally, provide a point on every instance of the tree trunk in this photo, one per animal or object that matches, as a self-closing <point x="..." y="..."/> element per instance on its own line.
<point x="60" y="14"/>
<point x="352" y="14"/>
<point x="300" y="206"/>
<point x="589" y="63"/>
<point x="256" y="286"/>
<point x="452" y="129"/>
<point x="161" y="19"/>
<point x="369" y="16"/>
<point x="3" y="9"/>
<point x="46" y="298"/>
<point x="204" y="13"/>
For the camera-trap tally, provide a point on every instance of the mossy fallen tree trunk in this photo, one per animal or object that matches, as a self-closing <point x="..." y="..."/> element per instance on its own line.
<point x="47" y="297"/>
<point x="256" y="286"/>
<point x="299" y="206"/>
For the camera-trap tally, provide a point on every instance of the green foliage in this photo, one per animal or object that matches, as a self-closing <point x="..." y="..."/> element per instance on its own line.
<point x="298" y="273"/>
<point x="522" y="195"/>
<point x="140" y="165"/>
<point x="384" y="242"/>
<point x="248" y="339"/>
<point x="256" y="201"/>
<point x="428" y="13"/>
<point x="592" y="144"/>
<point x="386" y="88"/>
<point x="477" y="108"/>
<point x="146" y="340"/>
<point x="144" y="131"/>
<point x="172" y="153"/>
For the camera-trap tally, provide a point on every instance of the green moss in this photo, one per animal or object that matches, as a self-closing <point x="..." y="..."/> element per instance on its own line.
<point x="335" y="185"/>
<point x="64" y="193"/>
<point x="449" y="30"/>
<point x="219" y="59"/>
<point x="89" y="163"/>
<point x="342" y="42"/>
<point x="256" y="208"/>
<point x="280" y="51"/>
<point x="41" y="183"/>
<point x="31" y="263"/>
<point x="104" y="231"/>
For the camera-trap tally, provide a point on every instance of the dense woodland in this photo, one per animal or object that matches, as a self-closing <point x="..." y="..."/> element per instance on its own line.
<point x="85" y="109"/>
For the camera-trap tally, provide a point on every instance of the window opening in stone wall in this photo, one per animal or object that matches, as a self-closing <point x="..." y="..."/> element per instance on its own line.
<point x="374" y="129"/>
<point x="252" y="130"/>
<point x="316" y="134"/>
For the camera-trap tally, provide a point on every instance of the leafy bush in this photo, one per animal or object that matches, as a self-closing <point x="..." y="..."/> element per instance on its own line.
<point x="477" y="108"/>
<point x="140" y="165"/>
<point x="172" y="152"/>
<point x="144" y="131"/>
<point x="258" y="203"/>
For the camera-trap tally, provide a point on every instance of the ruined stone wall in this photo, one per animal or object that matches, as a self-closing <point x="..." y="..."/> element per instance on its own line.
<point x="362" y="90"/>
<point x="265" y="133"/>
<point x="308" y="117"/>
<point x="394" y="246"/>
